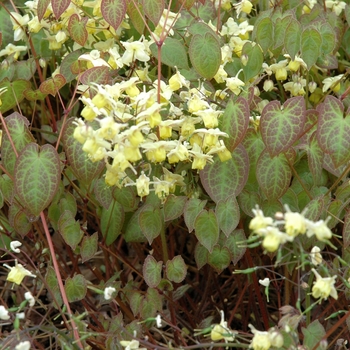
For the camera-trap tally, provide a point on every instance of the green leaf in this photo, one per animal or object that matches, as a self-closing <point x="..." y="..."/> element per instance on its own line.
<point x="200" y="255"/>
<point x="133" y="232"/>
<point x="333" y="131"/>
<point x="264" y="33"/>
<point x="346" y="230"/>
<point x="315" y="158"/>
<point x="153" y="9"/>
<point x="17" y="126"/>
<point x="176" y="269"/>
<point x="52" y="283"/>
<point x="273" y="175"/>
<point x="174" y="207"/>
<point x="281" y="126"/>
<point x="151" y="222"/>
<point x="112" y="220"/>
<point x="227" y="213"/>
<point x="103" y="193"/>
<point x="292" y="38"/>
<point x="314" y="333"/>
<point x="205" y="54"/>
<point x="135" y="16"/>
<point x="224" y="179"/>
<point x="235" y="244"/>
<point x="281" y="25"/>
<point x="84" y="169"/>
<point x="42" y="6"/>
<point x="69" y="61"/>
<point x="127" y="197"/>
<point x="37" y="176"/>
<point x="207" y="229"/>
<point x="19" y="220"/>
<point x="75" y="288"/>
<point x="311" y="42"/>
<point x="247" y="201"/>
<point x="219" y="258"/>
<point x="314" y="209"/>
<point x="173" y="53"/>
<point x="152" y="271"/>
<point x="192" y="208"/>
<point x="70" y="229"/>
<point x="255" y="61"/>
<point x="59" y="6"/>
<point x="52" y="85"/>
<point x="89" y="247"/>
<point x="235" y="121"/>
<point x="77" y="29"/>
<point x="14" y="93"/>
<point x="113" y="11"/>
<point x="25" y="69"/>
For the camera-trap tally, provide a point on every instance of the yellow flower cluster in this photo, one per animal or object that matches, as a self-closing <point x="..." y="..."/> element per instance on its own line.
<point x="294" y="224"/>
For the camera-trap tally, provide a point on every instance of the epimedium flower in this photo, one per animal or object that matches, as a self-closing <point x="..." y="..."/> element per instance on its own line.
<point x="324" y="287"/>
<point x="259" y="221"/>
<point x="135" y="50"/>
<point x="108" y="292"/>
<point x="142" y="185"/>
<point x="23" y="345"/>
<point x="315" y="256"/>
<point x="261" y="340"/>
<point x="221" y="331"/>
<point x="17" y="273"/>
<point x="14" y="50"/>
<point x="332" y="83"/>
<point x="295" y="223"/>
<point x="28" y="296"/>
<point x="234" y="83"/>
<point x="336" y="6"/>
<point x="131" y="345"/>
<point x="18" y="23"/>
<point x="4" y="314"/>
<point x="243" y="6"/>
<point x="14" y="246"/>
<point x="273" y="238"/>
<point x="177" y="81"/>
<point x="209" y="117"/>
<point x="319" y="229"/>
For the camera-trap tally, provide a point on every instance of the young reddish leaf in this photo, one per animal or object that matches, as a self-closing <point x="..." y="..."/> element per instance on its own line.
<point x="235" y="243"/>
<point x="152" y="271"/>
<point x="333" y="131"/>
<point x="151" y="222"/>
<point x="200" y="255"/>
<point x="59" y="6"/>
<point x="281" y="127"/>
<point x="135" y="16"/>
<point x="20" y="135"/>
<point x="112" y="220"/>
<point x="187" y="3"/>
<point x="207" y="229"/>
<point x="52" y="85"/>
<point x="71" y="66"/>
<point x="273" y="174"/>
<point x="154" y="10"/>
<point x="176" y="269"/>
<point x="42" y="6"/>
<point x="219" y="258"/>
<point x="97" y="75"/>
<point x="192" y="208"/>
<point x="227" y="213"/>
<point x="37" y="176"/>
<point x="70" y="229"/>
<point x="174" y="207"/>
<point x="14" y="93"/>
<point x="34" y="95"/>
<point x="205" y="54"/>
<point x="235" y="121"/>
<point x="224" y="179"/>
<point x="113" y="11"/>
<point x="77" y="29"/>
<point x="76" y="288"/>
<point x="18" y="219"/>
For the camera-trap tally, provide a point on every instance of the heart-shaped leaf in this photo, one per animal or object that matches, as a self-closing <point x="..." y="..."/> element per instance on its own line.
<point x="70" y="229"/>
<point x="77" y="29"/>
<point x="227" y="213"/>
<point x="52" y="85"/>
<point x="174" y="207"/>
<point x="112" y="220"/>
<point x="207" y="229"/>
<point x="37" y="176"/>
<point x="153" y="9"/>
<point x="113" y="11"/>
<point x="219" y="258"/>
<point x="151" y="222"/>
<point x="75" y="288"/>
<point x="176" y="269"/>
<point x="59" y="6"/>
<point x="152" y="271"/>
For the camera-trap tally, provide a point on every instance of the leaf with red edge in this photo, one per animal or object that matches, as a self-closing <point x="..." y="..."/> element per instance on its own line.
<point x="37" y="176"/>
<point x="281" y="127"/>
<point x="274" y="174"/>
<point x="346" y="230"/>
<point x="42" y="7"/>
<point x="136" y="17"/>
<point x="207" y="229"/>
<point x="77" y="29"/>
<point x="235" y="121"/>
<point x="224" y="179"/>
<point x="52" y="85"/>
<point x="113" y="11"/>
<point x="59" y="6"/>
<point x="153" y="10"/>
<point x="152" y="271"/>
<point x="315" y="158"/>
<point x="333" y="131"/>
<point x="97" y="75"/>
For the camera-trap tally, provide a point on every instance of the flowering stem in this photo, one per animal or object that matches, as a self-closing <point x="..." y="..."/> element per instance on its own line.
<point x="308" y="302"/>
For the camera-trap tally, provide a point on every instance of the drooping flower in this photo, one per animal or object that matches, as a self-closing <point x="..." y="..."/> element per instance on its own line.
<point x="221" y="331"/>
<point x="259" y="221"/>
<point x="23" y="345"/>
<point x="261" y="340"/>
<point x="108" y="292"/>
<point x="324" y="287"/>
<point x="28" y="296"/>
<point x="4" y="314"/>
<point x="14" y="246"/>
<point x="17" y="273"/>
<point x="315" y="256"/>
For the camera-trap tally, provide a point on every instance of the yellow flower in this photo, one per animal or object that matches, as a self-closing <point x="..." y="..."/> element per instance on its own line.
<point x="142" y="185"/>
<point x="294" y="223"/>
<point x="315" y="256"/>
<point x="332" y="83"/>
<point x="259" y="221"/>
<point x="17" y="273"/>
<point x="273" y="238"/>
<point x="324" y="287"/>
<point x="319" y="229"/>
<point x="177" y="81"/>
<point x="221" y="331"/>
<point x="261" y="340"/>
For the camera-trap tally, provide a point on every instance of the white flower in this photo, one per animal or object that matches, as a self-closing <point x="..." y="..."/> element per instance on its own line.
<point x="135" y="50"/>
<point x="23" y="345"/>
<point x="259" y="221"/>
<point x="294" y="223"/>
<point x="28" y="296"/>
<point x="130" y="345"/>
<point x="14" y="246"/>
<point x="319" y="229"/>
<point x="17" y="273"/>
<point x="108" y="292"/>
<point x="332" y="83"/>
<point x="21" y="315"/>
<point x="221" y="331"/>
<point x="159" y="321"/>
<point x="261" y="340"/>
<point x="336" y="6"/>
<point x="18" y="22"/>
<point x="265" y="282"/>
<point x="315" y="255"/>
<point x="4" y="314"/>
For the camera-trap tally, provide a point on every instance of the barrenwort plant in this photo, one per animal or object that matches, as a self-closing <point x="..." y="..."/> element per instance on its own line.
<point x="175" y="174"/>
